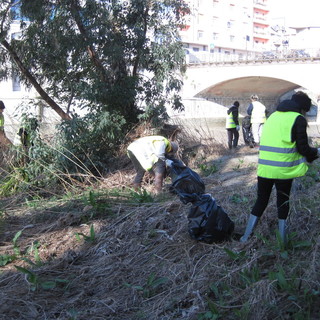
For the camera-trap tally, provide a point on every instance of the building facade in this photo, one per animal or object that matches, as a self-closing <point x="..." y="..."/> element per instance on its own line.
<point x="227" y="27"/>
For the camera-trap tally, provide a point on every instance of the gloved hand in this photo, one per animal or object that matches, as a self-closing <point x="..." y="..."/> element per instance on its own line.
<point x="169" y="163"/>
<point x="238" y="127"/>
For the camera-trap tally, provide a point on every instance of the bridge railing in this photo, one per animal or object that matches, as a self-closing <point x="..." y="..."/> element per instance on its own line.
<point x="198" y="58"/>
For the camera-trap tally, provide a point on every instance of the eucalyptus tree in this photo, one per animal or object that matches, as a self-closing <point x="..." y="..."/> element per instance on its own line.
<point x="113" y="56"/>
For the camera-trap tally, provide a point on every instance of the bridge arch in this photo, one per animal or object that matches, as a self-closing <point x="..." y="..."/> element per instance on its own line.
<point x="270" y="80"/>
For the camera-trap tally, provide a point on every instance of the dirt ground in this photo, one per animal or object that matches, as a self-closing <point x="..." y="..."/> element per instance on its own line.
<point x="101" y="256"/>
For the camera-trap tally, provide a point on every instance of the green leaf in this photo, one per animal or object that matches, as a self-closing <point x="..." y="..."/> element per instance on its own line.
<point x="48" y="284"/>
<point x="159" y="282"/>
<point x="16" y="237"/>
<point x="6" y="258"/>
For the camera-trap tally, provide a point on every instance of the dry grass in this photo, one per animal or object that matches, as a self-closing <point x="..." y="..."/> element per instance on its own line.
<point x="142" y="264"/>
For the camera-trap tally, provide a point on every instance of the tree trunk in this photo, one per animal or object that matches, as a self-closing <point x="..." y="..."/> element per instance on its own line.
<point x="34" y="82"/>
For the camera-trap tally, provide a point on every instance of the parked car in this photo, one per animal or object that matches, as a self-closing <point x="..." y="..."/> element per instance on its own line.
<point x="269" y="55"/>
<point x="298" y="54"/>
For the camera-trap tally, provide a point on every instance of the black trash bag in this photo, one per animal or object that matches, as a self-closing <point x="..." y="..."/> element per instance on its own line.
<point x="247" y="131"/>
<point x="185" y="182"/>
<point x="208" y="222"/>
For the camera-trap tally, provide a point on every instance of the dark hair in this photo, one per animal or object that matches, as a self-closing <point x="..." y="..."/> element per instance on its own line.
<point x="254" y="97"/>
<point x="302" y="100"/>
<point x="2" y="105"/>
<point x="236" y="103"/>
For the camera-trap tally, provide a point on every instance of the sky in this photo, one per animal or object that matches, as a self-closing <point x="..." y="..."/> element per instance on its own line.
<point x="296" y="12"/>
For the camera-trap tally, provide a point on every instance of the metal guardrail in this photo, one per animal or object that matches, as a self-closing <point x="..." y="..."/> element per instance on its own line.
<point x="200" y="59"/>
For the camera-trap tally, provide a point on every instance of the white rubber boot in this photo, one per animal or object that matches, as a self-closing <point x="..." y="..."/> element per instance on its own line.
<point x="282" y="225"/>
<point x="251" y="224"/>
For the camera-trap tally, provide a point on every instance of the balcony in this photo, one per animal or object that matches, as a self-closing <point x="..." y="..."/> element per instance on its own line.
<point x="262" y="20"/>
<point x="260" y="4"/>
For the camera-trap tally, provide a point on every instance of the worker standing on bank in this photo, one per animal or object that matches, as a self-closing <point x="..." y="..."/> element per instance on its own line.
<point x="2" y="107"/>
<point x="151" y="154"/>
<point x="232" y="125"/>
<point x="283" y="155"/>
<point x="257" y="111"/>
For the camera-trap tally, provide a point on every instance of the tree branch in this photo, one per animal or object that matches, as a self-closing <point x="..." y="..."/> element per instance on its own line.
<point x="34" y="82"/>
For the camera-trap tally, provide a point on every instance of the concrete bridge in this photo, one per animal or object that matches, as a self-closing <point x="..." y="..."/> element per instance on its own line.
<point x="224" y="82"/>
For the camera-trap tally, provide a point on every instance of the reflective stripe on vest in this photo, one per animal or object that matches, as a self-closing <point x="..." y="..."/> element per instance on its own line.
<point x="258" y="114"/>
<point x="278" y="156"/>
<point x="230" y="122"/>
<point x="144" y="149"/>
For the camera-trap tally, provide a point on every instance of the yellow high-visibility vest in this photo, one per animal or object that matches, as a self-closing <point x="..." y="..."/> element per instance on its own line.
<point x="1" y="121"/>
<point x="278" y="156"/>
<point x="144" y="150"/>
<point x="230" y="121"/>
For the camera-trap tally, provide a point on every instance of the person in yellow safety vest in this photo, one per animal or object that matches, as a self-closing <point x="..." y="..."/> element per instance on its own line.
<point x="283" y="155"/>
<point x="232" y="125"/>
<point x="151" y="154"/>
<point x="2" y="107"/>
<point x="257" y="111"/>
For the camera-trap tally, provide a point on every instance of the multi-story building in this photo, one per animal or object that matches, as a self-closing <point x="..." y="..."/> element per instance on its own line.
<point x="227" y="27"/>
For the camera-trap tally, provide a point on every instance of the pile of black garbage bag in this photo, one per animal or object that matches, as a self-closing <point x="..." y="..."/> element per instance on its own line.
<point x="208" y="222"/>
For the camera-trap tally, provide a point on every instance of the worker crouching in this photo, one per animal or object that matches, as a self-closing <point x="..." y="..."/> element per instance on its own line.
<point x="151" y="154"/>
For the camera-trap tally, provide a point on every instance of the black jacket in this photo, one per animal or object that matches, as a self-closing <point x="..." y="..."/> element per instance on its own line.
<point x="235" y="114"/>
<point x="299" y="130"/>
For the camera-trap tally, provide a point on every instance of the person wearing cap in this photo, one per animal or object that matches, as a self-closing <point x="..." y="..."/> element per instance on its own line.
<point x="151" y="154"/>
<point x="2" y="107"/>
<point x="232" y="125"/>
<point x="257" y="111"/>
<point x="283" y="155"/>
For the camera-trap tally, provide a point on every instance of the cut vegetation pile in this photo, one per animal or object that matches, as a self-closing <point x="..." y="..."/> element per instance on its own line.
<point x="111" y="253"/>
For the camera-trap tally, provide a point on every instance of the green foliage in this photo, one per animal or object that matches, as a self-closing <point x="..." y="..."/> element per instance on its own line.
<point x="207" y="169"/>
<point x="249" y="276"/>
<point x="90" y="238"/>
<point x="12" y="182"/>
<point x="16" y="248"/>
<point x="7" y="258"/>
<point x="100" y="206"/>
<point x="238" y="198"/>
<point x="86" y="144"/>
<point x="151" y="286"/>
<point x="98" y="54"/>
<point x="37" y="282"/>
<point x="239" y="165"/>
<point x="34" y="249"/>
<point x="235" y="255"/>
<point x="141" y="196"/>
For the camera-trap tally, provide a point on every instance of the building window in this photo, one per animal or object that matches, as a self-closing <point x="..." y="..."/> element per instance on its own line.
<point x="215" y="36"/>
<point x="232" y="38"/>
<point x="200" y="18"/>
<point x="230" y="24"/>
<point x="200" y="34"/>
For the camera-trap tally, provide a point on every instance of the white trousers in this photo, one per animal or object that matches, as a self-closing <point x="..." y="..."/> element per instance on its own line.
<point x="256" y="131"/>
